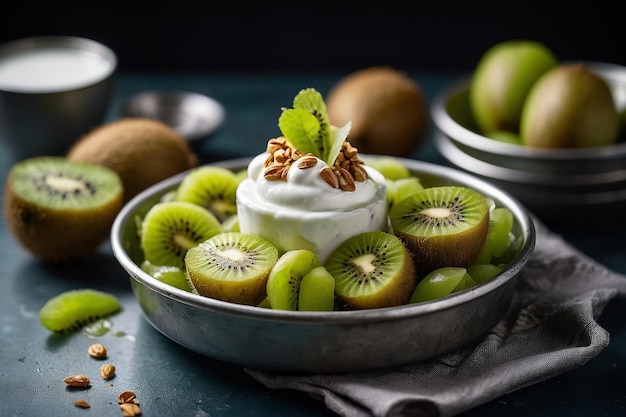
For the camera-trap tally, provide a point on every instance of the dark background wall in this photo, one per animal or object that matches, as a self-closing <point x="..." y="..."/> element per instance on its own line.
<point x="308" y="35"/>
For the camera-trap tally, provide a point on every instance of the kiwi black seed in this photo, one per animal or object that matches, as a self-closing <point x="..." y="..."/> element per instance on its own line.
<point x="232" y="267"/>
<point x="211" y="187"/>
<point x="171" y="228"/>
<point x="61" y="210"/>
<point x="73" y="309"/>
<point x="372" y="270"/>
<point x="442" y="226"/>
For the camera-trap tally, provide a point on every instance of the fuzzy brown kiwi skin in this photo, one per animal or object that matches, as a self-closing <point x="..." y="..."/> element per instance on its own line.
<point x="388" y="110"/>
<point x="52" y="235"/>
<point x="142" y="151"/>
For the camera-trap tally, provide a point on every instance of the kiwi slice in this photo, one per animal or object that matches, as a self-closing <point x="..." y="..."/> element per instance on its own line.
<point x="499" y="235"/>
<point x="442" y="226"/>
<point x="401" y="188"/>
<point x="372" y="270"/>
<point x="440" y="283"/>
<point x="285" y="279"/>
<point x="71" y="310"/>
<point x="168" y="274"/>
<point x="171" y="228"/>
<point x="391" y="168"/>
<point x="317" y="291"/>
<point x="232" y="267"/>
<point x="483" y="272"/>
<point x="61" y="210"/>
<point x="211" y="187"/>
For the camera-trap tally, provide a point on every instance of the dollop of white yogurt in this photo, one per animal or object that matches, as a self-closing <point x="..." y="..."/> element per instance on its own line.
<point x="304" y="212"/>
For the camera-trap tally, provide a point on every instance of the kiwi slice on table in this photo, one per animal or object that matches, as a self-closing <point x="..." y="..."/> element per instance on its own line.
<point x="211" y="187"/>
<point x="232" y="267"/>
<point x="61" y="210"/>
<point x="171" y="228"/>
<point x="283" y="284"/>
<point x="372" y="270"/>
<point x="71" y="310"/>
<point x="442" y="226"/>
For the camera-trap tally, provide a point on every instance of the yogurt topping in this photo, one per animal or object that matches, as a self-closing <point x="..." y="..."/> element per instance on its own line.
<point x="306" y="190"/>
<point x="304" y="212"/>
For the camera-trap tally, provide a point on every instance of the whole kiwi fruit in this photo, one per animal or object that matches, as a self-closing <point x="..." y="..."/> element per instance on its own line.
<point x="569" y="107"/>
<point x="502" y="79"/>
<point x="142" y="151"/>
<point x="387" y="109"/>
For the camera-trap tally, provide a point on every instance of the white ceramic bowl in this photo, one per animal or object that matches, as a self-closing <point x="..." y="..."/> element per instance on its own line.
<point x="317" y="342"/>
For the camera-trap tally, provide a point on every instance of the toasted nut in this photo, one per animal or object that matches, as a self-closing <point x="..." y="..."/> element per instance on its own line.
<point x="81" y="403"/>
<point x="97" y="351"/>
<point x="130" y="410"/>
<point x="329" y="177"/>
<point x="273" y="172"/>
<point x="358" y="172"/>
<point x="126" y="397"/>
<point x="307" y="161"/>
<point x="76" y="381"/>
<point x="346" y="182"/>
<point x="107" y="371"/>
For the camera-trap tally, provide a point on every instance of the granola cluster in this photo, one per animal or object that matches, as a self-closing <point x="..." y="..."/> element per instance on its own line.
<point x="346" y="171"/>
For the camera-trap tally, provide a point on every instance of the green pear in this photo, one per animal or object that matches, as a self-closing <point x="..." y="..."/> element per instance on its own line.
<point x="502" y="79"/>
<point x="570" y="107"/>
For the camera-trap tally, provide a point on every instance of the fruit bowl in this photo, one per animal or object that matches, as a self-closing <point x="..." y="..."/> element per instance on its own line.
<point x="553" y="183"/>
<point x="322" y="342"/>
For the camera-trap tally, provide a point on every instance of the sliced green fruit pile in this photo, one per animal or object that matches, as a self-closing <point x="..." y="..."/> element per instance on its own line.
<point x="441" y="239"/>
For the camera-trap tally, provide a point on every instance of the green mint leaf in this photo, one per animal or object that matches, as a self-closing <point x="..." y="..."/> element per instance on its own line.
<point x="301" y="128"/>
<point x="308" y="128"/>
<point x="339" y="136"/>
<point x="311" y="100"/>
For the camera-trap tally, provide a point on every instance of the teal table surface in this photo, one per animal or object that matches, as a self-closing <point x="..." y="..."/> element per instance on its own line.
<point x="170" y="380"/>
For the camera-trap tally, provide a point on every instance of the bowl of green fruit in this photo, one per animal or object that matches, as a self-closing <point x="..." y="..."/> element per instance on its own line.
<point x="550" y="132"/>
<point x="452" y="312"/>
<point x="313" y="258"/>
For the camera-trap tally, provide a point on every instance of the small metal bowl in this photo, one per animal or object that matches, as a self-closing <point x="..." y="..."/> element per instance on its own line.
<point x="193" y="115"/>
<point x="452" y="116"/>
<point x="321" y="342"/>
<point x="53" y="90"/>
<point x="558" y="185"/>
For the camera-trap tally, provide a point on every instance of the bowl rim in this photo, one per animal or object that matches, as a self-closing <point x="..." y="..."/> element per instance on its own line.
<point x="471" y="139"/>
<point x="540" y="179"/>
<point x="355" y="316"/>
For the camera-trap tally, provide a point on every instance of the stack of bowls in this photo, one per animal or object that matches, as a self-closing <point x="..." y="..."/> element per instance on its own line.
<point x="564" y="185"/>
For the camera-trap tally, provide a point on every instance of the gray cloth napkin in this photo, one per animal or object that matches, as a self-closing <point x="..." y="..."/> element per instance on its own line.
<point x="550" y="328"/>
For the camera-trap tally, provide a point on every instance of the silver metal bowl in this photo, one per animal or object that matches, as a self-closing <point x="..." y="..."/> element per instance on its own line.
<point x="43" y="116"/>
<point x="560" y="185"/>
<point x="193" y="115"/>
<point x="452" y="116"/>
<point x="321" y="342"/>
